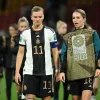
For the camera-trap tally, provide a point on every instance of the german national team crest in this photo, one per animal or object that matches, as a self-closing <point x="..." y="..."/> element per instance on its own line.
<point x="68" y="87"/>
<point x="25" y="87"/>
<point x="37" y="41"/>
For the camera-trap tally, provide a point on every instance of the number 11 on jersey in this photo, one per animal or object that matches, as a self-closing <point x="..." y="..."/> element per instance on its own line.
<point x="38" y="50"/>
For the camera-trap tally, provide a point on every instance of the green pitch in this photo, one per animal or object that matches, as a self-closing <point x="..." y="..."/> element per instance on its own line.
<point x="14" y="94"/>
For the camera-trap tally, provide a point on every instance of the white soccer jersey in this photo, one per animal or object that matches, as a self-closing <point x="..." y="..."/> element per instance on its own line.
<point x="38" y="51"/>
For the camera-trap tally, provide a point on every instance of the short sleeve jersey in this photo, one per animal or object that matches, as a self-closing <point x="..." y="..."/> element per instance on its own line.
<point x="38" y="50"/>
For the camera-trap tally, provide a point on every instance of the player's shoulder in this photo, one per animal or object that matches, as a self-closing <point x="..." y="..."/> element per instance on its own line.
<point x="26" y="31"/>
<point x="49" y="29"/>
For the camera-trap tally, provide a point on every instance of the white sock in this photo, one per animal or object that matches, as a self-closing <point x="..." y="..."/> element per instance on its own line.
<point x="22" y="97"/>
<point x="93" y="97"/>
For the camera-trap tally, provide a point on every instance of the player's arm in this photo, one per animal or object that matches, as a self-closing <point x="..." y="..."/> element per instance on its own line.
<point x="63" y="60"/>
<point x="96" y="80"/>
<point x="96" y="41"/>
<point x="20" y="55"/>
<point x="19" y="59"/>
<point x="55" y="55"/>
<point x="63" y="63"/>
<point x="98" y="59"/>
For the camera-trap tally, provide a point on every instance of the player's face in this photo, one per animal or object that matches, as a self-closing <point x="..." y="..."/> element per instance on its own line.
<point x="37" y="18"/>
<point x="12" y="31"/>
<point x="22" y="26"/>
<point x="78" y="20"/>
<point x="62" y="29"/>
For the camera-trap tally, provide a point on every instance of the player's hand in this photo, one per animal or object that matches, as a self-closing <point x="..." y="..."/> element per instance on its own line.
<point x="59" y="51"/>
<point x="57" y="76"/>
<point x="97" y="73"/>
<point x="17" y="78"/>
<point x="62" y="77"/>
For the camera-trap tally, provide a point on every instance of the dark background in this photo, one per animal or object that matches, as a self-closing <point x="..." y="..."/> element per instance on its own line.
<point x="12" y="10"/>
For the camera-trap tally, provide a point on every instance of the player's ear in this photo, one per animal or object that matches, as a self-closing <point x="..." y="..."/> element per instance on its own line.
<point x="31" y="17"/>
<point x="43" y="17"/>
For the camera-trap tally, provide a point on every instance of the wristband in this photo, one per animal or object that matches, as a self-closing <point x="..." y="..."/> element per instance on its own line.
<point x="56" y="70"/>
